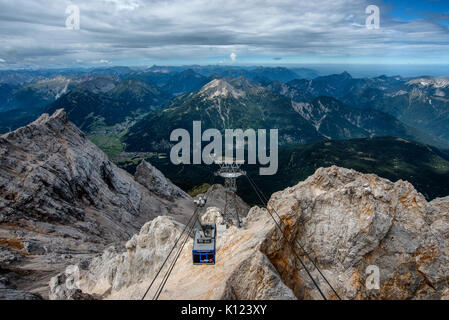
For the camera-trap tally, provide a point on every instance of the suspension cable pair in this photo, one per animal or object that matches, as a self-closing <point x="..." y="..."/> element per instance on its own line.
<point x="190" y="225"/>
<point x="264" y="200"/>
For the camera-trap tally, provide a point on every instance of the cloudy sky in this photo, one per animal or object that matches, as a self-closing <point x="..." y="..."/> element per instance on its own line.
<point x="34" y="33"/>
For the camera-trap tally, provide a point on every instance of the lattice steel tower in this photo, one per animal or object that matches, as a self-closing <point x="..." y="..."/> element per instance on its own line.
<point x="230" y="171"/>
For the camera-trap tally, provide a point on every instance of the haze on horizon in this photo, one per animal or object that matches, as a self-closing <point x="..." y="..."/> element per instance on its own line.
<point x="413" y="37"/>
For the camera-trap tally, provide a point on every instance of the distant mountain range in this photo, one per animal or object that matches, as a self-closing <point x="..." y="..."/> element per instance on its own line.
<point x="30" y="92"/>
<point x="87" y="108"/>
<point x="304" y="106"/>
<point x="33" y="95"/>
<point x="240" y="103"/>
<point x="185" y="81"/>
<point x="253" y="73"/>
<point x="420" y="102"/>
<point x="221" y="104"/>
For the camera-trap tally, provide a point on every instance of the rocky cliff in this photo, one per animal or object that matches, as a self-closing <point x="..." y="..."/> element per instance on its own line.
<point x="345" y="221"/>
<point x="348" y="221"/>
<point x="62" y="200"/>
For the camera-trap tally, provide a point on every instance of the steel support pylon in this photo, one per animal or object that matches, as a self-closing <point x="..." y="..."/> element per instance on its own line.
<point x="230" y="170"/>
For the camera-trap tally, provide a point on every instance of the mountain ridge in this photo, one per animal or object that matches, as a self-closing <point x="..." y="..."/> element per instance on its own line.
<point x="220" y="105"/>
<point x="240" y="103"/>
<point x="63" y="200"/>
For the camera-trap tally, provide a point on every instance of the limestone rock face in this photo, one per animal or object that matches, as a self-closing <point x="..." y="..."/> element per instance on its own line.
<point x="216" y="197"/>
<point x="63" y="287"/>
<point x="212" y="215"/>
<point x="155" y="181"/>
<point x="256" y="279"/>
<point x="346" y="222"/>
<point x="243" y="271"/>
<point x="219" y="88"/>
<point x="50" y="172"/>
<point x="145" y="252"/>
<point x="441" y="203"/>
<point x="62" y="200"/>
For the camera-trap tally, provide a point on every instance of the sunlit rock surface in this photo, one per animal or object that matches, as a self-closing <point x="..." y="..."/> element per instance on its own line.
<point x="344" y="220"/>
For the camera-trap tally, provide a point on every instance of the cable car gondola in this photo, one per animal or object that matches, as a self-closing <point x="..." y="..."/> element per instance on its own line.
<point x="203" y="251"/>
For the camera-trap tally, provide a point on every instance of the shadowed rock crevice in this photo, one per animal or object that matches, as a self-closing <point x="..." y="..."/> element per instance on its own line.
<point x="279" y="253"/>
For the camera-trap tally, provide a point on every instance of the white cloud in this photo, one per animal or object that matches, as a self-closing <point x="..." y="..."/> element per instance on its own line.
<point x="103" y="61"/>
<point x="146" y="32"/>
<point x="2" y="60"/>
<point x="130" y="5"/>
<point x="233" y="57"/>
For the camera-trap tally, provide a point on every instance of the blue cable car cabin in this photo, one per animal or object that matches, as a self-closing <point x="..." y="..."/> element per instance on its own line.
<point x="203" y="251"/>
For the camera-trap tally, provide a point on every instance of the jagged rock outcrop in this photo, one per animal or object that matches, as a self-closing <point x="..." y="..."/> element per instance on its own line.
<point x="127" y="275"/>
<point x="155" y="181"/>
<point x="50" y="172"/>
<point x="345" y="221"/>
<point x="62" y="200"/>
<point x="144" y="254"/>
<point x="216" y="197"/>
<point x="114" y="270"/>
<point x="212" y="215"/>
<point x="441" y="203"/>
<point x="256" y="279"/>
<point x="348" y="221"/>
<point x="64" y="287"/>
<point x="220" y="88"/>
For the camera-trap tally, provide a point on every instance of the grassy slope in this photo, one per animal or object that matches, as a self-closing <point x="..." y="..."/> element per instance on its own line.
<point x="110" y="144"/>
